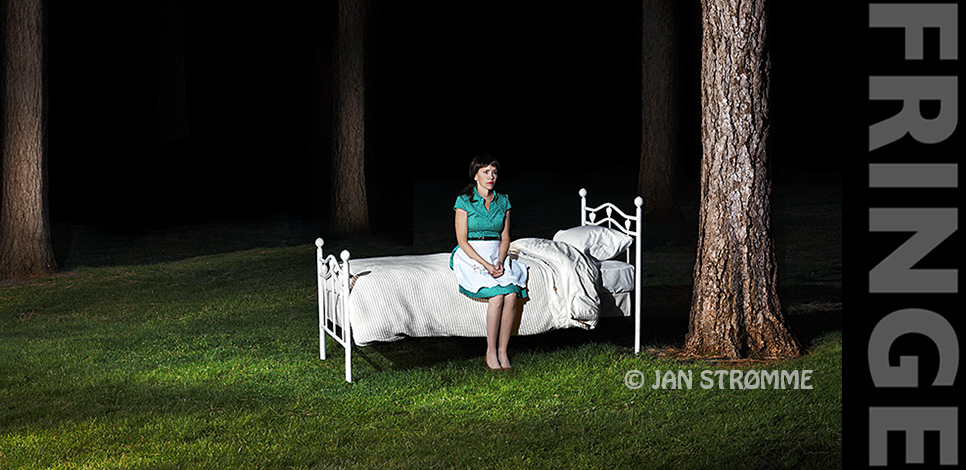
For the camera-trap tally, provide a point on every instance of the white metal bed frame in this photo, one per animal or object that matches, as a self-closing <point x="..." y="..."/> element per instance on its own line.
<point x="335" y="279"/>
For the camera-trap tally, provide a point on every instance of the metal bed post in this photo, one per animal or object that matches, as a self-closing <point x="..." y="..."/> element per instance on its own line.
<point x="583" y="206"/>
<point x="346" y="323"/>
<point x="639" y="202"/>
<point x="319" y="261"/>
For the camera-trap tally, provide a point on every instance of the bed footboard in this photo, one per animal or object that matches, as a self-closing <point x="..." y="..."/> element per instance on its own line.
<point x="333" y="286"/>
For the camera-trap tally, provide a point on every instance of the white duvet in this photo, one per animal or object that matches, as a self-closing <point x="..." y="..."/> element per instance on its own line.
<point x="417" y="296"/>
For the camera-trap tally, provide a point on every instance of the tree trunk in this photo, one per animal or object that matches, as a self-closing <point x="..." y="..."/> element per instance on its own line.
<point x="350" y="209"/>
<point x="25" y="249"/>
<point x="735" y="309"/>
<point x="659" y="115"/>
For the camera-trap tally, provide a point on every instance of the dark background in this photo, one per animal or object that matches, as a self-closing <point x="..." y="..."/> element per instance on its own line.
<point x="547" y="88"/>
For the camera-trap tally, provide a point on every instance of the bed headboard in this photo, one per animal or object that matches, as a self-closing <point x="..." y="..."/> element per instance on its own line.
<point x="615" y="218"/>
<point x="630" y="225"/>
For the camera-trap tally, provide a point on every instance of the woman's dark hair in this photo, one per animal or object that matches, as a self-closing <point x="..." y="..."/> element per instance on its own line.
<point x="479" y="161"/>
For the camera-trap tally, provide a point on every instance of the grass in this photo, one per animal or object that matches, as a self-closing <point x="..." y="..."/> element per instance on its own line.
<point x="212" y="362"/>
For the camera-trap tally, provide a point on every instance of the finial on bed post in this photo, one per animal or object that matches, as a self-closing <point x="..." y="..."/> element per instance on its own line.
<point x="583" y="206"/>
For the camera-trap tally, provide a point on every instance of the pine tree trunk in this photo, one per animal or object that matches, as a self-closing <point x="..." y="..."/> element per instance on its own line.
<point x="735" y="310"/>
<point x="350" y="209"/>
<point x="25" y="249"/>
<point x="659" y="115"/>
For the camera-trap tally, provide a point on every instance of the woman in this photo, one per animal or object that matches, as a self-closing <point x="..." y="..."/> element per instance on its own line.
<point x="480" y="259"/>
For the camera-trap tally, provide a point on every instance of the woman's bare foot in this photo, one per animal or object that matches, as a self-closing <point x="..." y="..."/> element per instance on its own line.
<point x="505" y="362"/>
<point x="492" y="361"/>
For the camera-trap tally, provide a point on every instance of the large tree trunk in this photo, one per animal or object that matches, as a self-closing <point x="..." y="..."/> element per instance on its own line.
<point x="659" y="115"/>
<point x="25" y="249"/>
<point x="735" y="310"/>
<point x="350" y="209"/>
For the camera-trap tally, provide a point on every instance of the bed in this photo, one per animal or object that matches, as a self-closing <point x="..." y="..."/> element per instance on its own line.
<point x="583" y="274"/>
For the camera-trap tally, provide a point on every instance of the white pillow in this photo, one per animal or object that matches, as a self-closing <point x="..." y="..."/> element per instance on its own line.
<point x="598" y="242"/>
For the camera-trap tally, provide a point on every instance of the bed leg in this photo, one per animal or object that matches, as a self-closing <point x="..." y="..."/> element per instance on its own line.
<point x="321" y="290"/>
<point x="637" y="330"/>
<point x="637" y="316"/>
<point x="348" y="363"/>
<point x="347" y="320"/>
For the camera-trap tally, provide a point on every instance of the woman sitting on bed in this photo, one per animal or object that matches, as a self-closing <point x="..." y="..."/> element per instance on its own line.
<point x="480" y="259"/>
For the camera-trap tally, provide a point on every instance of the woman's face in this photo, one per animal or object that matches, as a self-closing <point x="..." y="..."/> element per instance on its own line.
<point x="486" y="177"/>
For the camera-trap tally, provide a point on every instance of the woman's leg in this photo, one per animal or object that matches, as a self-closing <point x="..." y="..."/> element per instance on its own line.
<point x="494" y="309"/>
<point x="506" y="327"/>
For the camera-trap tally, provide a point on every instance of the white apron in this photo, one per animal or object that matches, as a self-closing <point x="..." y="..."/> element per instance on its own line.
<point x="472" y="276"/>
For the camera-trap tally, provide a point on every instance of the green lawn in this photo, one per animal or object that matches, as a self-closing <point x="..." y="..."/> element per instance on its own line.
<point x="212" y="362"/>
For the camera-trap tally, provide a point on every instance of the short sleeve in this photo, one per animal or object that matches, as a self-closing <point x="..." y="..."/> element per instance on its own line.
<point x="507" y="201"/>
<point x="462" y="202"/>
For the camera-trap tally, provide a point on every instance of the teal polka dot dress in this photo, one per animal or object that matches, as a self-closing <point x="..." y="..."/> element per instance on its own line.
<point x="484" y="227"/>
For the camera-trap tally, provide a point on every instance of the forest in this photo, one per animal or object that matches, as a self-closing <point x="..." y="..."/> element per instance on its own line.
<point x="241" y="120"/>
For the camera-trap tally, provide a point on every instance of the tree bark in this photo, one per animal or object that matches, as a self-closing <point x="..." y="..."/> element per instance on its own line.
<point x="350" y="209"/>
<point x="735" y="310"/>
<point x="659" y="114"/>
<point x="25" y="248"/>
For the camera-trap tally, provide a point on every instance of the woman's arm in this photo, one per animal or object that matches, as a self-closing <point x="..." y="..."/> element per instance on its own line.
<point x="462" y="232"/>
<point x="505" y="238"/>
